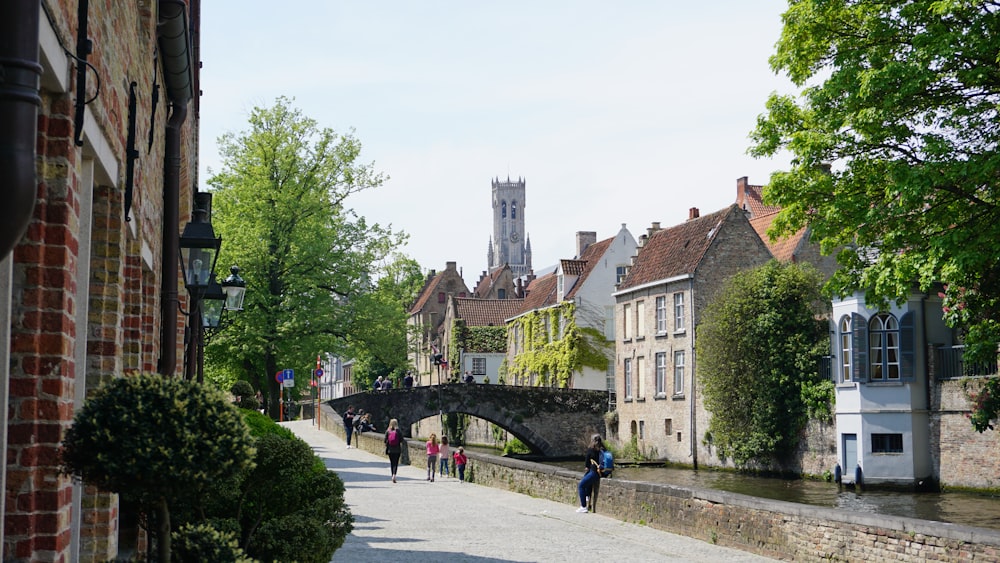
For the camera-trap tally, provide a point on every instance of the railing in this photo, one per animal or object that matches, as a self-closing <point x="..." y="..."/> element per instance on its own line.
<point x="949" y="362"/>
<point x="826" y="367"/>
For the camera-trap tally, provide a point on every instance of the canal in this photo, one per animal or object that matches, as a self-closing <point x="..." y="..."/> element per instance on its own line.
<point x="955" y="507"/>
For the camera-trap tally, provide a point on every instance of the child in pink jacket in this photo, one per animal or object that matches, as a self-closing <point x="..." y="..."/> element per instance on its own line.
<point x="432" y="456"/>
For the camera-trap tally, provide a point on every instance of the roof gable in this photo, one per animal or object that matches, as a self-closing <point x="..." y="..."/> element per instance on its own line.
<point x="541" y="292"/>
<point x="486" y="312"/>
<point x="590" y="258"/>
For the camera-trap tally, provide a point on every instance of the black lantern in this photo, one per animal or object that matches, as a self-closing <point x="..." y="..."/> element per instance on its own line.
<point x="235" y="289"/>
<point x="199" y="246"/>
<point x="212" y="304"/>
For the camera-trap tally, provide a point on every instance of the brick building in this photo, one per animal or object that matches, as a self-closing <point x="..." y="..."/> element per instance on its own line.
<point x="106" y="94"/>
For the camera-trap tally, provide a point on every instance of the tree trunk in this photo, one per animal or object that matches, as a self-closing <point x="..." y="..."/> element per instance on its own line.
<point x="163" y="530"/>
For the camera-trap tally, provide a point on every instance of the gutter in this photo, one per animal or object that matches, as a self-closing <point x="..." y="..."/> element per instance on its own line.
<point x="20" y="72"/>
<point x="175" y="53"/>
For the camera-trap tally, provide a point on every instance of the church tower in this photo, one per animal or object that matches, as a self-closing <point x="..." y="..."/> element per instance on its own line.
<point x="509" y="243"/>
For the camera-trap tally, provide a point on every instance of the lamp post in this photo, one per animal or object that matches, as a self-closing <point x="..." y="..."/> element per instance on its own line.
<point x="199" y="250"/>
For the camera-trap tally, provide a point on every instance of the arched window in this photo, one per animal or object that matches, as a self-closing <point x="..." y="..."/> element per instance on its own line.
<point x="503" y="209"/>
<point x="513" y="209"/>
<point x="845" y="349"/>
<point x="883" y="347"/>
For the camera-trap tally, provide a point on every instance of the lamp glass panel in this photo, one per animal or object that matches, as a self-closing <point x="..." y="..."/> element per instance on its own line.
<point x="234" y="297"/>
<point x="198" y="264"/>
<point x="212" y="312"/>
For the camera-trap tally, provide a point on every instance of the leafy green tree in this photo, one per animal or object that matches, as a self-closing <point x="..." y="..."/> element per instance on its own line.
<point x="307" y="258"/>
<point x="902" y="98"/>
<point x="758" y="349"/>
<point x="158" y="442"/>
<point x="378" y="341"/>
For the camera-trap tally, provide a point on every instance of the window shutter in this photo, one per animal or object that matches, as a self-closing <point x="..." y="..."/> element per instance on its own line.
<point x="859" y="347"/>
<point x="907" y="346"/>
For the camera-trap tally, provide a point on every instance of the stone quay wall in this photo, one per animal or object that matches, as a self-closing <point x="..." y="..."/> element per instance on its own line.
<point x="772" y="528"/>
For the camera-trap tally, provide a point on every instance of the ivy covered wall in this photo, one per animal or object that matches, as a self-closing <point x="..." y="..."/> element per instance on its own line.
<point x="555" y="347"/>
<point x="473" y="339"/>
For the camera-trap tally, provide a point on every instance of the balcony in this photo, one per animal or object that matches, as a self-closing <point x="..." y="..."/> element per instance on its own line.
<point x="949" y="363"/>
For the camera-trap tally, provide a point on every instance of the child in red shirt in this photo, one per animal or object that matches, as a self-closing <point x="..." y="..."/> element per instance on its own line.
<point x="460" y="461"/>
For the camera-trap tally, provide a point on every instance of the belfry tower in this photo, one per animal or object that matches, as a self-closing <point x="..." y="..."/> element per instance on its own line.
<point x="509" y="244"/>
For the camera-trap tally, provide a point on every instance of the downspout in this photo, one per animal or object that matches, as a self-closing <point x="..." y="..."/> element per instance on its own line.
<point x="694" y="387"/>
<point x="175" y="54"/>
<point x="19" y="102"/>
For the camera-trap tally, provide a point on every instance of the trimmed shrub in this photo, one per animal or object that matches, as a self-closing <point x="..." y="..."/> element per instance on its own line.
<point x="246" y="397"/>
<point x="202" y="542"/>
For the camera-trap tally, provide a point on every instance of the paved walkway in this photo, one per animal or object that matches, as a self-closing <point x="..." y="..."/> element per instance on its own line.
<point x="418" y="521"/>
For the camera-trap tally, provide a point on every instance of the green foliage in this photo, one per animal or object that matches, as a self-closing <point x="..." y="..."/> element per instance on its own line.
<point x="515" y="446"/>
<point x="553" y="358"/>
<point x="246" y="397"/>
<point x="985" y="397"/>
<point x="758" y="348"/>
<point x="158" y="442"/>
<point x="260" y="425"/>
<point x="902" y="98"/>
<point x="202" y="542"/>
<point x="280" y="202"/>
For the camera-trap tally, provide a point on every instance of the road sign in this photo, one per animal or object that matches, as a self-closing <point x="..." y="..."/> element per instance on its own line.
<point x="288" y="378"/>
<point x="277" y="377"/>
<point x="319" y="372"/>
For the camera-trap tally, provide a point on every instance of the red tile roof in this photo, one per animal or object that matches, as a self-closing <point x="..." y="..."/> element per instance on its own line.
<point x="572" y="267"/>
<point x="591" y="257"/>
<point x="541" y="292"/>
<point x="677" y="250"/>
<point x="486" y="312"/>
<point x="486" y="282"/>
<point x="425" y="293"/>
<point x="753" y="201"/>
<point x="783" y="249"/>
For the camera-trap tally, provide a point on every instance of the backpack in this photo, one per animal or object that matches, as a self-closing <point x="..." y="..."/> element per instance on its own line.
<point x="393" y="439"/>
<point x="607" y="463"/>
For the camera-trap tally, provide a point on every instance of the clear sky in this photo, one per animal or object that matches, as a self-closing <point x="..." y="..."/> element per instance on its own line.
<point x="613" y="113"/>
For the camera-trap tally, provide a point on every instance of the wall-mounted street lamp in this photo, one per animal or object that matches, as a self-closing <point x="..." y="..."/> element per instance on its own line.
<point x="199" y="249"/>
<point x="213" y="302"/>
<point x="235" y="289"/>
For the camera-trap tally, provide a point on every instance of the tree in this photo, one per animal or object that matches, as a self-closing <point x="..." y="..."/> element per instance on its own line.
<point x="378" y="341"/>
<point x="902" y="99"/>
<point x="758" y="349"/>
<point x="307" y="258"/>
<point x="157" y="442"/>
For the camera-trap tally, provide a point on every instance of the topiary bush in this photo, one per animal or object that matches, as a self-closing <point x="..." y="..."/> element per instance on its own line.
<point x="246" y="397"/>
<point x="157" y="441"/>
<point x="202" y="542"/>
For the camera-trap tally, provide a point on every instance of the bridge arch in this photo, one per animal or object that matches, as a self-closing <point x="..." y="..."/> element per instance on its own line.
<point x="549" y="421"/>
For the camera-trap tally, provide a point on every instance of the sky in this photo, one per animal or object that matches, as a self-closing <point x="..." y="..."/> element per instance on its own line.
<point x="612" y="113"/>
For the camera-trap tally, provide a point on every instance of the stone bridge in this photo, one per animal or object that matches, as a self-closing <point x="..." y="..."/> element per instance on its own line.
<point x="552" y="422"/>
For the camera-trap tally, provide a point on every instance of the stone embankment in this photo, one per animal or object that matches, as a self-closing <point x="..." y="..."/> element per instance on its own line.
<point x="773" y="528"/>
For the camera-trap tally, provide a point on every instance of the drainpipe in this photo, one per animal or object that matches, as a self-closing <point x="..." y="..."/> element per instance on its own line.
<point x="175" y="53"/>
<point x="19" y="102"/>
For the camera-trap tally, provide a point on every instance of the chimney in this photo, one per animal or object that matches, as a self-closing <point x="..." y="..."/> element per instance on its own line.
<point x="583" y="240"/>
<point x="693" y="213"/>
<point x="652" y="229"/>
<point x="450" y="265"/>
<point x="642" y="240"/>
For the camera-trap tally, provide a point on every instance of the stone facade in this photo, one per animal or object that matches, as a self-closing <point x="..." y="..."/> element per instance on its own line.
<point x="426" y="319"/>
<point x="960" y="456"/>
<point x="84" y="286"/>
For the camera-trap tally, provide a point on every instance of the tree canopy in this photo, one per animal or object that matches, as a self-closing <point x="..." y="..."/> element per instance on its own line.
<point x="758" y="348"/>
<point x="280" y="204"/>
<point x="894" y="145"/>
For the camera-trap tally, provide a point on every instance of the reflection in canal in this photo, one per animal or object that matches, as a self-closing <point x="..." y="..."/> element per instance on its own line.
<point x="955" y="507"/>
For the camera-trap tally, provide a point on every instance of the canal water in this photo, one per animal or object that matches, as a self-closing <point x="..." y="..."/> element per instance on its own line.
<point x="955" y="507"/>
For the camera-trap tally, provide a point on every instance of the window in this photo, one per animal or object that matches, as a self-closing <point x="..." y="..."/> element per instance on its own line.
<point x="679" y="372"/>
<point x="678" y="312"/>
<point x="513" y="209"/>
<point x="661" y="314"/>
<point x="661" y="375"/>
<point x="668" y="426"/>
<point x="883" y="347"/>
<point x="441" y="297"/>
<point x="640" y="319"/>
<point x="628" y="378"/>
<point x="845" y="349"/>
<point x="501" y="293"/>
<point x="503" y="210"/>
<point x="627" y="328"/>
<point x="887" y="443"/>
<point x="478" y="366"/>
<point x="640" y="377"/>
<point x="619" y="274"/>
<point x="642" y="429"/>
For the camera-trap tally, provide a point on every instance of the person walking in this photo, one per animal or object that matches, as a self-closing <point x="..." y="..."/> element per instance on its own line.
<point x="592" y="459"/>
<point x="394" y="443"/>
<point x="460" y="461"/>
<point x="377" y="386"/>
<point x="349" y="424"/>
<point x="444" y="454"/>
<point x="408" y="380"/>
<point x="432" y="456"/>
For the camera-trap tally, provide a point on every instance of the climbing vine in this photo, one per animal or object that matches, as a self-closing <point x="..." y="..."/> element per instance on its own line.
<point x="555" y="347"/>
<point x="474" y="339"/>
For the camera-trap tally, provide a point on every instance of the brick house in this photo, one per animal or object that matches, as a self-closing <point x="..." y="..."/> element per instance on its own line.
<point x="675" y="274"/>
<point x="426" y="320"/>
<point x="480" y="355"/>
<point x="561" y="307"/>
<point x="91" y="290"/>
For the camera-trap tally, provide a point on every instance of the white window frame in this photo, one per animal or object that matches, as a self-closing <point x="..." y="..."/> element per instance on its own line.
<point x="627" y="370"/>
<point x="661" y="374"/>
<point x="679" y="361"/>
<point x="661" y="314"/>
<point x="679" y="325"/>
<point x="640" y="319"/>
<point x="627" y="321"/>
<point x="846" y="349"/>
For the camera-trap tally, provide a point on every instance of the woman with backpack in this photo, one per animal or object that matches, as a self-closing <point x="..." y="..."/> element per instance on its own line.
<point x="592" y="459"/>
<point x="433" y="450"/>
<point x="394" y="443"/>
